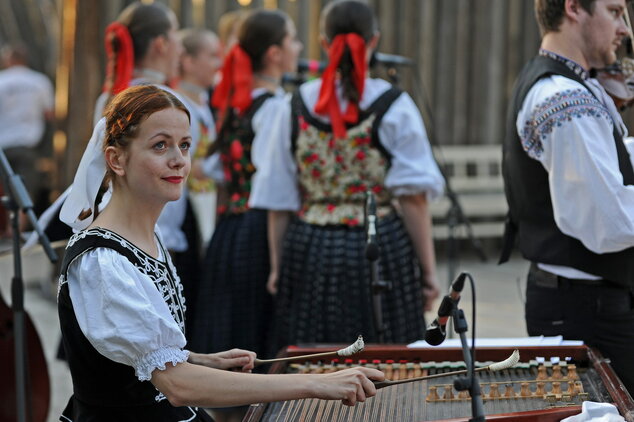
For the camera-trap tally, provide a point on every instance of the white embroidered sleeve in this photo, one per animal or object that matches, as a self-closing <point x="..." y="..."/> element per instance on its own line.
<point x="569" y="131"/>
<point x="413" y="169"/>
<point x="274" y="184"/>
<point x="122" y="313"/>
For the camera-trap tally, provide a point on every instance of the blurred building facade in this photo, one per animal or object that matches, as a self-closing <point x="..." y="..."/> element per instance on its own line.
<point x="467" y="55"/>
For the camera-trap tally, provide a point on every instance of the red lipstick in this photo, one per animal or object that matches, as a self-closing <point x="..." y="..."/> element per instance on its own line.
<point x="174" y="179"/>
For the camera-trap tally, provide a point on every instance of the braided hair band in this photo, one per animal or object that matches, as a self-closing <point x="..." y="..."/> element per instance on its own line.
<point x="327" y="104"/>
<point x="234" y="89"/>
<point x="120" y="63"/>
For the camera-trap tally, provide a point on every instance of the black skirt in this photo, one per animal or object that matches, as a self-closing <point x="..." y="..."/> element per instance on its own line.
<point x="161" y="411"/>
<point x="187" y="264"/>
<point x="324" y="290"/>
<point x="233" y="308"/>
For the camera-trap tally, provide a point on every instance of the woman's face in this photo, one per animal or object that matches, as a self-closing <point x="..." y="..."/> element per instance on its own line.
<point x="206" y="63"/>
<point x="291" y="48"/>
<point x="156" y="163"/>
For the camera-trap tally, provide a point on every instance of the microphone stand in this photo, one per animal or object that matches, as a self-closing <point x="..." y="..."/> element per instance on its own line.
<point x="17" y="198"/>
<point x="470" y="382"/>
<point x="378" y="286"/>
<point x="372" y="254"/>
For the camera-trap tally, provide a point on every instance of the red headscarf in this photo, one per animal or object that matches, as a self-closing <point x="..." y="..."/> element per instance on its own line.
<point x="327" y="104"/>
<point x="234" y="89"/>
<point x="120" y="65"/>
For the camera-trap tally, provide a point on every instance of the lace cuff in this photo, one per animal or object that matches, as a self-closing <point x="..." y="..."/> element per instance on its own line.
<point x="430" y="192"/>
<point x="157" y="359"/>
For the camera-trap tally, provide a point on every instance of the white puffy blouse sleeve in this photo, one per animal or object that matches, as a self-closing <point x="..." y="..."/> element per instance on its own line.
<point x="122" y="313"/>
<point x="413" y="168"/>
<point x="274" y="184"/>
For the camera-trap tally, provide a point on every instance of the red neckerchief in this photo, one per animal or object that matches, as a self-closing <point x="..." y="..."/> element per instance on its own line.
<point x="327" y="104"/>
<point x="234" y="89"/>
<point x="120" y="64"/>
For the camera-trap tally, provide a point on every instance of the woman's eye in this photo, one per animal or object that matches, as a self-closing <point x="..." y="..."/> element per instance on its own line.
<point x="159" y="145"/>
<point x="186" y="145"/>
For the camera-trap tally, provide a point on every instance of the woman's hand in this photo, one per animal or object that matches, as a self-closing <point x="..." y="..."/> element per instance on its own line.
<point x="230" y="359"/>
<point x="431" y="291"/>
<point x="235" y="358"/>
<point x="350" y="386"/>
<point x="271" y="284"/>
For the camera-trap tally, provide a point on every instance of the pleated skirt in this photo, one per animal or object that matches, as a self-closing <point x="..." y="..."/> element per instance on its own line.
<point x="233" y="307"/>
<point x="324" y="290"/>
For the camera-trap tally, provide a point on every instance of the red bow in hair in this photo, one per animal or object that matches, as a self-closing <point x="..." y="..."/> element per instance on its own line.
<point x="120" y="64"/>
<point x="234" y="89"/>
<point x="327" y="102"/>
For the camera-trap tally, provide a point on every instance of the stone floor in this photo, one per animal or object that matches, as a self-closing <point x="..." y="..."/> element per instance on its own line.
<point x="499" y="311"/>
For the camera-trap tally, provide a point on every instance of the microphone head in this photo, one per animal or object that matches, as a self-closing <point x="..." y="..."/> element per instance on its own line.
<point x="458" y="283"/>
<point x="435" y="335"/>
<point x="372" y="252"/>
<point x="390" y="60"/>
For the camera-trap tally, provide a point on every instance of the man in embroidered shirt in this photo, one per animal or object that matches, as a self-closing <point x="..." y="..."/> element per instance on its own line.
<point x="568" y="181"/>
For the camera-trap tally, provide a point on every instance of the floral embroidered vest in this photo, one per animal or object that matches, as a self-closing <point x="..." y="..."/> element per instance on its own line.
<point x="334" y="174"/>
<point x="235" y="154"/>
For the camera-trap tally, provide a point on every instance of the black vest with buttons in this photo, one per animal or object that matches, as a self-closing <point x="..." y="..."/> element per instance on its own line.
<point x="527" y="190"/>
<point x="105" y="390"/>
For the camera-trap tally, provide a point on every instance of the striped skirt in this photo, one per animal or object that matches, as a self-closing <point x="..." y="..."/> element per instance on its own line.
<point x="324" y="290"/>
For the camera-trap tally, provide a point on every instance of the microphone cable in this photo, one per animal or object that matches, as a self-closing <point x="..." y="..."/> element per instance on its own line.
<point x="473" y="327"/>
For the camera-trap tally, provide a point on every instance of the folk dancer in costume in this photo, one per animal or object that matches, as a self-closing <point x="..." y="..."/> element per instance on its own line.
<point x="348" y="134"/>
<point x="198" y="65"/>
<point x="233" y="305"/>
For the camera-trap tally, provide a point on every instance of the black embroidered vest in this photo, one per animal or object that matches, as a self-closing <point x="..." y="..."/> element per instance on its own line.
<point x="104" y="389"/>
<point x="530" y="206"/>
<point x="236" y="138"/>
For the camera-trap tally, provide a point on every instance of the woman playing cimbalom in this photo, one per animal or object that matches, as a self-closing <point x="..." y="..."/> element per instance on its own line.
<point x="120" y="301"/>
<point x="351" y="134"/>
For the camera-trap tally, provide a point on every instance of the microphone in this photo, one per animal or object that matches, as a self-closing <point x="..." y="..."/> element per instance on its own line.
<point x="312" y="66"/>
<point x="372" y="248"/>
<point x="317" y="66"/>
<point x="436" y="333"/>
<point x="390" y="60"/>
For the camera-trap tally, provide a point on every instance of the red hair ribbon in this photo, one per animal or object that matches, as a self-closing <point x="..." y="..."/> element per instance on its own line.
<point x="120" y="64"/>
<point x="327" y="104"/>
<point x="234" y="89"/>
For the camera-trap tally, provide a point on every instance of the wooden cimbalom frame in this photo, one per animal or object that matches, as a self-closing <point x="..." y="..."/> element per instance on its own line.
<point x="547" y="385"/>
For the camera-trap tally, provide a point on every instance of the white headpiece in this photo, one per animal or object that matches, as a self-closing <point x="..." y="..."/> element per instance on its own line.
<point x="88" y="180"/>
